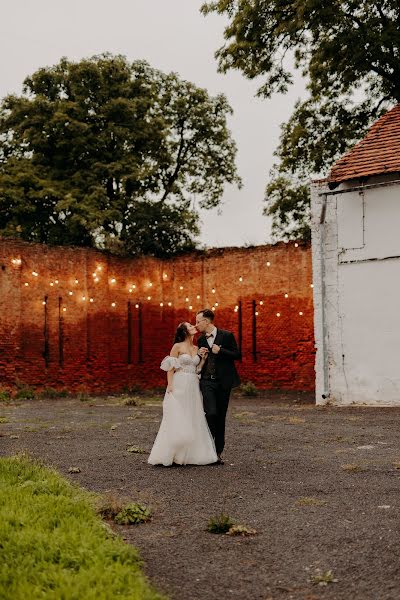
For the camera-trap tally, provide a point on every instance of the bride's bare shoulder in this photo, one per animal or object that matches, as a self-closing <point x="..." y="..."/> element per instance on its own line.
<point x="176" y="348"/>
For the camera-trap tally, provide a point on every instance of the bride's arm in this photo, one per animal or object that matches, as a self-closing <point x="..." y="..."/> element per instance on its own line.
<point x="170" y="374"/>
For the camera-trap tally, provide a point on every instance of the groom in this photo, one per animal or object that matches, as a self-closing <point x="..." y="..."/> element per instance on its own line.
<point x="218" y="375"/>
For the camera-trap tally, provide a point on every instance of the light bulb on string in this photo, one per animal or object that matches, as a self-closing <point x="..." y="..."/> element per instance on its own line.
<point x="169" y="303"/>
<point x="76" y="281"/>
<point x="112" y="304"/>
<point x="198" y="296"/>
<point x="181" y="287"/>
<point x="64" y="309"/>
<point x="296" y="245"/>
<point x="161" y="303"/>
<point x="26" y="283"/>
<point x="190" y="307"/>
<point x="300" y="313"/>
<point x="35" y="274"/>
<point x="91" y="299"/>
<point x="268" y="264"/>
<point x="256" y="313"/>
<point x="83" y="297"/>
<point x="70" y="293"/>
<point x="136" y="305"/>
<point x="240" y="278"/>
<point x="311" y="285"/>
<point x="286" y="295"/>
<point x="213" y="290"/>
<point x="113" y="280"/>
<point x="56" y="281"/>
<point x="261" y="302"/>
<point x="278" y="314"/>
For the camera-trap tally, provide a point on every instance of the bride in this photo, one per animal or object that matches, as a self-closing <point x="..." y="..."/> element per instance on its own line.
<point x="184" y="436"/>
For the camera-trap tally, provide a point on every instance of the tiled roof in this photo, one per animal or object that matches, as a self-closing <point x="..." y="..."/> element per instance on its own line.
<point x="377" y="153"/>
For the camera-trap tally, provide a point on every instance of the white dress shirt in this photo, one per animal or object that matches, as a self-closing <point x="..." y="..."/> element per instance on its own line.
<point x="213" y="335"/>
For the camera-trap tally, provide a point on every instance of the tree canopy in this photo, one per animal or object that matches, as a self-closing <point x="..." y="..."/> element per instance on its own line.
<point x="349" y="51"/>
<point x="112" y="154"/>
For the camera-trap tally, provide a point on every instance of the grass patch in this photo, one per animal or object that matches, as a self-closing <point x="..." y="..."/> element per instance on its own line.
<point x="55" y="546"/>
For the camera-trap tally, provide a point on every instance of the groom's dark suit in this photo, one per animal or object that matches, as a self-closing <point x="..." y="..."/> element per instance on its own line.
<point x="218" y="377"/>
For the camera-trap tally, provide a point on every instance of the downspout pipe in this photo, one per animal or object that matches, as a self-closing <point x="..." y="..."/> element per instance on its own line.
<point x="324" y="350"/>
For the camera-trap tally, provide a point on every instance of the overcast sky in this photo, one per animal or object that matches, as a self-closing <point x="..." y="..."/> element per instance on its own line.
<point x="171" y="35"/>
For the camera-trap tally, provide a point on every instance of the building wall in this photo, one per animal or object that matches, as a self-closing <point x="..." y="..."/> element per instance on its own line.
<point x="357" y="254"/>
<point x="51" y="334"/>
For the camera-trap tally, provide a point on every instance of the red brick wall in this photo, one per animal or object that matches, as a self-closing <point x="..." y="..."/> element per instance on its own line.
<point x="86" y="346"/>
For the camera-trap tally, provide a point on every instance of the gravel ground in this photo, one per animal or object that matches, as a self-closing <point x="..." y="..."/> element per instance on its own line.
<point x="320" y="486"/>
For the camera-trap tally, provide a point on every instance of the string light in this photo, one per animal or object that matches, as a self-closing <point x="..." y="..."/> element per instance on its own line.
<point x="256" y="313"/>
<point x="83" y="297"/>
<point x="51" y="283"/>
<point x="112" y="303"/>
<point x="56" y="281"/>
<point x="150" y="284"/>
<point x="70" y="293"/>
<point x="16" y="261"/>
<point x="186" y="299"/>
<point x="190" y="307"/>
<point x="148" y="297"/>
<point x="44" y="302"/>
<point x="96" y="279"/>
<point x="99" y="267"/>
<point x="261" y="302"/>
<point x="76" y="281"/>
<point x="165" y="276"/>
<point x="300" y="313"/>
<point x="213" y="290"/>
<point x="311" y="285"/>
<point x="169" y="303"/>
<point x="136" y="305"/>
<point x="130" y="290"/>
<point x="240" y="278"/>
<point x="91" y="299"/>
<point x="268" y="264"/>
<point x="161" y="303"/>
<point x="296" y="245"/>
<point x="64" y="309"/>
<point x="286" y="295"/>
<point x="198" y="296"/>
<point x="26" y="283"/>
<point x="34" y="274"/>
<point x="181" y="287"/>
<point x="278" y="314"/>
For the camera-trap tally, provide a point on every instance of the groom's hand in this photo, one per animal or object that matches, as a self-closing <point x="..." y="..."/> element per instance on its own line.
<point x="203" y="351"/>
<point x="215" y="349"/>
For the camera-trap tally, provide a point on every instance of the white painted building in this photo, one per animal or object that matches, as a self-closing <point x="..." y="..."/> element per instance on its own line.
<point x="356" y="272"/>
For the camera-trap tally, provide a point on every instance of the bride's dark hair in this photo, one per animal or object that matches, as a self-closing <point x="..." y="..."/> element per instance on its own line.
<point x="181" y="333"/>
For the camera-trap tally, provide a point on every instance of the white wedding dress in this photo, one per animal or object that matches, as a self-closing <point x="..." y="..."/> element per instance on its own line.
<point x="184" y="436"/>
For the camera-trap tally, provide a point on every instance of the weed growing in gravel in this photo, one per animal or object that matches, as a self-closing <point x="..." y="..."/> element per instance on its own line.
<point x="51" y="393"/>
<point x="248" y="388"/>
<point x="220" y="524"/>
<point x="241" y="530"/>
<point x="353" y="468"/>
<point x="131" y="401"/>
<point x="3" y="420"/>
<point x="323" y="578"/>
<point x="5" y="396"/>
<point x="110" y="505"/>
<point x="26" y="393"/>
<point x="309" y="501"/>
<point x="136" y="450"/>
<point x="133" y="514"/>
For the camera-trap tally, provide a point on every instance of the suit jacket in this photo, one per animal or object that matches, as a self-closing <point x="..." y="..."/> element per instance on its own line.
<point x="224" y="360"/>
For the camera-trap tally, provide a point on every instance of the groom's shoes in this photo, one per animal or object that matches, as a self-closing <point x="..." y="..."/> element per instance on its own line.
<point x="220" y="461"/>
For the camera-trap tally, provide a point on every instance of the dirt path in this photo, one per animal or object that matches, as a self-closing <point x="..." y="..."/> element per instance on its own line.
<point x="285" y="475"/>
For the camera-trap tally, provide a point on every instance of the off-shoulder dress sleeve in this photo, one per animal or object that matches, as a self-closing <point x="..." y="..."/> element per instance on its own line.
<point x="169" y="362"/>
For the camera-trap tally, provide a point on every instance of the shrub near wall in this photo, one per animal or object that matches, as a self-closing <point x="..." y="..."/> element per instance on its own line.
<point x="82" y="319"/>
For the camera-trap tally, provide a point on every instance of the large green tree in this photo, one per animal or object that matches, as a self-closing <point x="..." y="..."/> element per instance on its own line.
<point x="112" y="154"/>
<point x="349" y="51"/>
